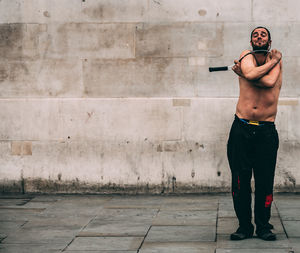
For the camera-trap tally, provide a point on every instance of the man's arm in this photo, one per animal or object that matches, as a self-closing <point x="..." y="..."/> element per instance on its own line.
<point x="263" y="76"/>
<point x="269" y="80"/>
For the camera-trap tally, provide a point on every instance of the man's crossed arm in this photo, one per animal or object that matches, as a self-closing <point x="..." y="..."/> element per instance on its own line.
<point x="264" y="76"/>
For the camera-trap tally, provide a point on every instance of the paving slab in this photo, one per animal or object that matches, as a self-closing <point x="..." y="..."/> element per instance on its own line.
<point x="19" y="214"/>
<point x="178" y="247"/>
<point x="38" y="204"/>
<point x="65" y="223"/>
<point x="115" y="228"/>
<point x="186" y="217"/>
<point x="31" y="248"/>
<point x="295" y="244"/>
<point x="254" y="251"/>
<point x="40" y="236"/>
<point x="76" y="206"/>
<point x="136" y="202"/>
<point x="181" y="234"/>
<point x="224" y="242"/>
<point x="227" y="225"/>
<point x="102" y="251"/>
<point x="105" y="243"/>
<point x="137" y="215"/>
<point x="8" y="226"/>
<point x="292" y="228"/>
<point x="190" y="205"/>
<point x="13" y="202"/>
<point x="290" y="213"/>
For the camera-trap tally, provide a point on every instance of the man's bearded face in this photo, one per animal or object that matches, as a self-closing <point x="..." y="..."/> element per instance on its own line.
<point x="260" y="39"/>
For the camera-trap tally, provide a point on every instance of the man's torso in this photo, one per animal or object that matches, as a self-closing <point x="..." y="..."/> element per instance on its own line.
<point x="256" y="103"/>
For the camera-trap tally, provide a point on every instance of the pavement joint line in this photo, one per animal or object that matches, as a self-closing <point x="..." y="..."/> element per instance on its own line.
<point x="24" y="224"/>
<point x="217" y="221"/>
<point x="79" y="232"/>
<point x="286" y="234"/>
<point x="147" y="232"/>
<point x="144" y="239"/>
<point x="65" y="248"/>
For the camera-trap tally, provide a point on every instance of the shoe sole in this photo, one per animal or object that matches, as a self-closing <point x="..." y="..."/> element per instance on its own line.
<point x="236" y="238"/>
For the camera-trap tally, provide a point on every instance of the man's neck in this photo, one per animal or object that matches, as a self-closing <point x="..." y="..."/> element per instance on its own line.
<point x="260" y="59"/>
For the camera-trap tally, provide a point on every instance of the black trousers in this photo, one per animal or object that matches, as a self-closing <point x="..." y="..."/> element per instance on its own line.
<point x="252" y="148"/>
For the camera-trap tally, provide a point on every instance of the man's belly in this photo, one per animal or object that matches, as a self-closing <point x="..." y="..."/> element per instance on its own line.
<point x="256" y="112"/>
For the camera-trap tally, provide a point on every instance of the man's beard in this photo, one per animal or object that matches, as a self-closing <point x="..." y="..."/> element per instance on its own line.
<point x="263" y="47"/>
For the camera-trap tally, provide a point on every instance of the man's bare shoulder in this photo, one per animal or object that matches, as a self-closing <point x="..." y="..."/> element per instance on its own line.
<point x="245" y="52"/>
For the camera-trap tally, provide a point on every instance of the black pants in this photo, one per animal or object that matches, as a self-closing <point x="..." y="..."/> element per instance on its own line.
<point x="252" y="147"/>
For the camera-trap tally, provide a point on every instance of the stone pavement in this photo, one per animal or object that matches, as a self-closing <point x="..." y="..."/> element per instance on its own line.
<point x="131" y="224"/>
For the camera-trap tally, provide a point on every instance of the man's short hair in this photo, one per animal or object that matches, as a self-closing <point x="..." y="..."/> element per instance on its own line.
<point x="269" y="34"/>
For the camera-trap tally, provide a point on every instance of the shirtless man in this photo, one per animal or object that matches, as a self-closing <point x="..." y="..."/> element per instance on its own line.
<point x="253" y="139"/>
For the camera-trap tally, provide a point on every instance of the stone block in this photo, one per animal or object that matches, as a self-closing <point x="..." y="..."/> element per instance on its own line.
<point x="45" y="78"/>
<point x="8" y="7"/>
<point x="143" y="77"/>
<point x="280" y="12"/>
<point x="179" y="40"/>
<point x="16" y="148"/>
<point x="80" y="40"/>
<point x="26" y="120"/>
<point x="181" y="102"/>
<point x="114" y="11"/>
<point x="290" y="80"/>
<point x="21" y="148"/>
<point x="41" y="11"/>
<point x="101" y="119"/>
<point x="61" y="11"/>
<point x="21" y="41"/>
<point x="199" y="11"/>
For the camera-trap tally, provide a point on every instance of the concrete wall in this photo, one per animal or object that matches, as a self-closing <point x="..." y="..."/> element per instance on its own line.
<point x="115" y="95"/>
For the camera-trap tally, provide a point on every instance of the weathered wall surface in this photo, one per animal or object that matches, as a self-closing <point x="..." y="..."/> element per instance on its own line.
<point x="115" y="96"/>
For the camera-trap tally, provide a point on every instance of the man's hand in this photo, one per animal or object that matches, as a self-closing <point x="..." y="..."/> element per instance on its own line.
<point x="237" y="68"/>
<point x="276" y="55"/>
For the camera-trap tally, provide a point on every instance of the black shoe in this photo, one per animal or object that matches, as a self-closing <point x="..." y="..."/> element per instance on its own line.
<point x="266" y="235"/>
<point x="242" y="234"/>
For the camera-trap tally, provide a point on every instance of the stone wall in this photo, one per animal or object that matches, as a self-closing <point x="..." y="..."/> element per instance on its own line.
<point x="115" y="95"/>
